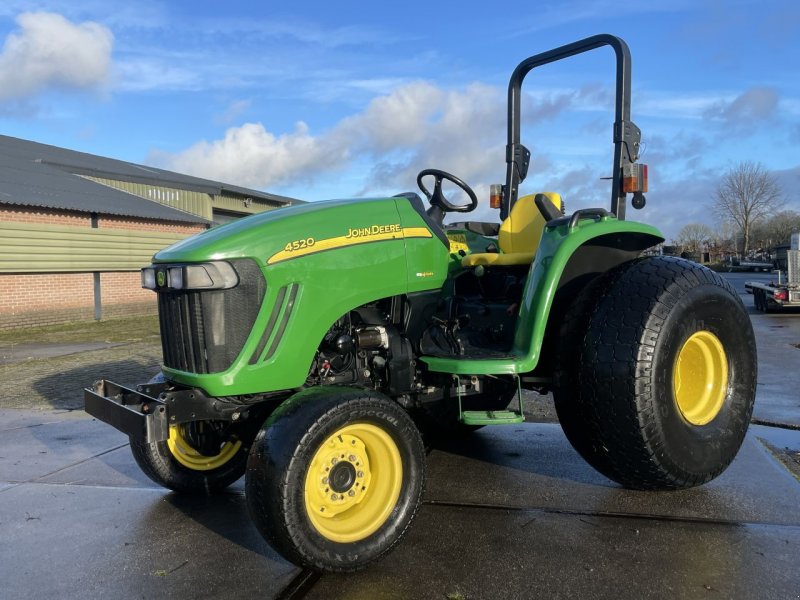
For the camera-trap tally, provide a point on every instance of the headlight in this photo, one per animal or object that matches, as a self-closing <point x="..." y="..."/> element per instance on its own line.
<point x="149" y="278"/>
<point x="176" y="278"/>
<point x="217" y="275"/>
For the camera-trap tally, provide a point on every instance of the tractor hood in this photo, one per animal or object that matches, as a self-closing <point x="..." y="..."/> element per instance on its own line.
<point x="264" y="235"/>
<point x="299" y="270"/>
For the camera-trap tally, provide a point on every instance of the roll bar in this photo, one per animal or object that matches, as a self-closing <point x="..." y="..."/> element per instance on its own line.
<point x="627" y="135"/>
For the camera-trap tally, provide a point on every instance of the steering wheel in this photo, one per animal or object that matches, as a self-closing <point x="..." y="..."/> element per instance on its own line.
<point x="437" y="199"/>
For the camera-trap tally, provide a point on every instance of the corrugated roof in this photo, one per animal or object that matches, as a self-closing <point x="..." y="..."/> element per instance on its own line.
<point x="34" y="174"/>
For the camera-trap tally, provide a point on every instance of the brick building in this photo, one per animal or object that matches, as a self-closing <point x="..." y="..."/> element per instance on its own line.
<point x="76" y="228"/>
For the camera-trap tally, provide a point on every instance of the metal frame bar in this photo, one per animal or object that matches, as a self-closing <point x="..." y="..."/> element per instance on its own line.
<point x="623" y="133"/>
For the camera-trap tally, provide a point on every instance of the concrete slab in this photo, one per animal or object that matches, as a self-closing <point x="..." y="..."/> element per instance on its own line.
<point x="117" y="469"/>
<point x="27" y="453"/>
<point x="463" y="552"/>
<point x="533" y="466"/>
<point x="778" y="342"/>
<point x="13" y="418"/>
<point x="91" y="542"/>
<point x="511" y="512"/>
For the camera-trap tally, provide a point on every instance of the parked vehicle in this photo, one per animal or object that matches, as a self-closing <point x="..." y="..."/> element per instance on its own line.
<point x="310" y="348"/>
<point x="779" y="294"/>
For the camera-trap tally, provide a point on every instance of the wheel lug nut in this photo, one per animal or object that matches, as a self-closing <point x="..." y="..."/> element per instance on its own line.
<point x="352" y="458"/>
<point x="351" y="493"/>
<point x="334" y="460"/>
<point x="360" y="474"/>
<point x="325" y="480"/>
<point x="334" y="497"/>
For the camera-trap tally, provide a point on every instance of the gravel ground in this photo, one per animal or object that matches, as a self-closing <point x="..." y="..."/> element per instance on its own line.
<point x="58" y="382"/>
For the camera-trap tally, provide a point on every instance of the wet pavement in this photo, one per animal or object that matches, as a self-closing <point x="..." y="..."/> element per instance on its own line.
<point x="778" y="342"/>
<point x="511" y="512"/>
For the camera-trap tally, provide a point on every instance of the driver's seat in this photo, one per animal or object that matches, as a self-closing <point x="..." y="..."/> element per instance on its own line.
<point x="519" y="235"/>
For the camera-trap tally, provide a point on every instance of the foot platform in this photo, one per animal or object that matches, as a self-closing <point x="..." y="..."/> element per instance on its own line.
<point x="490" y="417"/>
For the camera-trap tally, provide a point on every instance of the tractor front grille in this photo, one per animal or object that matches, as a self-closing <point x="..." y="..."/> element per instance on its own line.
<point x="204" y="331"/>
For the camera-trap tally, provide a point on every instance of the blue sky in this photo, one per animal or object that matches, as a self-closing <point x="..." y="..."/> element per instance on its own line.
<point x="319" y="99"/>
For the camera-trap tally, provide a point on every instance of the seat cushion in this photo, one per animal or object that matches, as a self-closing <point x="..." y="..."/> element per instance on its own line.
<point x="522" y="229"/>
<point x="519" y="235"/>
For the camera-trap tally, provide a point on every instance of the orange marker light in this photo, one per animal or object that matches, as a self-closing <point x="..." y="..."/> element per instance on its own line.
<point x="634" y="178"/>
<point x="495" y="195"/>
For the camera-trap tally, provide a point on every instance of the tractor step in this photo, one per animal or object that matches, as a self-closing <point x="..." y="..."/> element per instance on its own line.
<point x="492" y="417"/>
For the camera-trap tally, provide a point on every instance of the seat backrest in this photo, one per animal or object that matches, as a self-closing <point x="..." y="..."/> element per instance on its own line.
<point x="522" y="230"/>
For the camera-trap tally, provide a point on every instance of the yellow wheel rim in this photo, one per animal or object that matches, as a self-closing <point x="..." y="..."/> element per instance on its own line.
<point x="700" y="378"/>
<point x="353" y="483"/>
<point x="191" y="458"/>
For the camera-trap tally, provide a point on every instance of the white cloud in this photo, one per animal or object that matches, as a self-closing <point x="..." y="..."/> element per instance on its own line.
<point x="251" y="156"/>
<point x="49" y="51"/>
<point x="416" y="126"/>
<point x="380" y="150"/>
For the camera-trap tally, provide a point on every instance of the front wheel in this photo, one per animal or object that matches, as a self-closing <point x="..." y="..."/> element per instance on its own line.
<point x="335" y="477"/>
<point x="657" y="377"/>
<point x="201" y="457"/>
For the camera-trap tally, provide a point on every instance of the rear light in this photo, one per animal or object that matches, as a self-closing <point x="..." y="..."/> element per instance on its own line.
<point x="634" y="178"/>
<point x="495" y="195"/>
<point x="781" y="295"/>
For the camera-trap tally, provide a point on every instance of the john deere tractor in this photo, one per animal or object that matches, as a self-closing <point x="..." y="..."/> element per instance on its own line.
<point x="311" y="348"/>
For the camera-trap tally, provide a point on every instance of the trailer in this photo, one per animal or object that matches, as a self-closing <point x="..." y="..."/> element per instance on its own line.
<point x="780" y="294"/>
<point x="755" y="265"/>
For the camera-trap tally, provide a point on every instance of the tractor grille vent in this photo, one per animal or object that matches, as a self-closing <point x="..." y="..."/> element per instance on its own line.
<point x="204" y="331"/>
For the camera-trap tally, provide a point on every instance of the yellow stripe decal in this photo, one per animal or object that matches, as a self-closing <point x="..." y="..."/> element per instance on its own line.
<point x="344" y="241"/>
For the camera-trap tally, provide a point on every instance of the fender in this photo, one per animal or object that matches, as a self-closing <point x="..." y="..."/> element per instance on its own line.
<point x="567" y="259"/>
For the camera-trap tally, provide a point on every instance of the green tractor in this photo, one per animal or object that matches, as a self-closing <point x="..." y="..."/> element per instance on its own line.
<point x="311" y="348"/>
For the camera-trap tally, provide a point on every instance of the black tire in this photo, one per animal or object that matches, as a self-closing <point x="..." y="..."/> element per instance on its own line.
<point x="573" y="408"/>
<point x="620" y="391"/>
<point x="174" y="464"/>
<point x="290" y="455"/>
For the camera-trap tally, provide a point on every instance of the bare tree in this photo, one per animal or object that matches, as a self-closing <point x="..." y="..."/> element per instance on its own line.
<point x="782" y="225"/>
<point x="746" y="194"/>
<point x="693" y="236"/>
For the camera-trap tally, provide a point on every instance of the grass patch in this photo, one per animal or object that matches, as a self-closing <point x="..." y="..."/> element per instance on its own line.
<point x="789" y="457"/>
<point x="135" y="329"/>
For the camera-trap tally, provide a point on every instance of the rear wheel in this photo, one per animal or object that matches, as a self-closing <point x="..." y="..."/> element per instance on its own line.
<point x="201" y="457"/>
<point x="657" y="377"/>
<point x="335" y="477"/>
